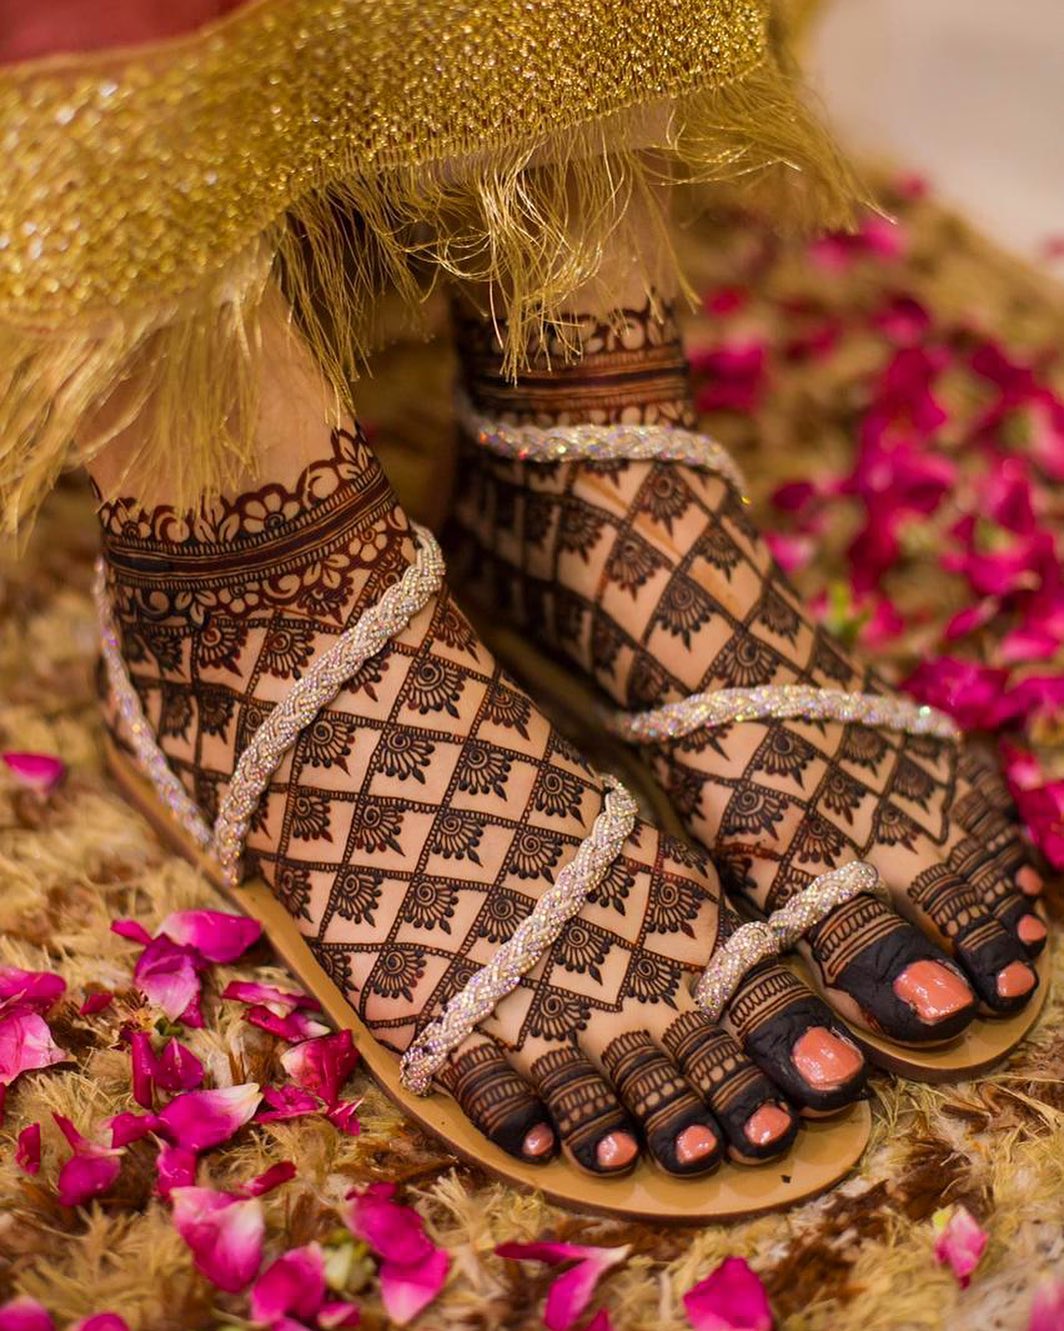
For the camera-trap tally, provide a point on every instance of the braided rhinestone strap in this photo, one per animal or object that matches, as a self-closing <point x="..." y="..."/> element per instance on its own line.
<point x="316" y="689"/>
<point x="536" y="932"/>
<point x="806" y="702"/>
<point x="762" y="939"/>
<point x="600" y="443"/>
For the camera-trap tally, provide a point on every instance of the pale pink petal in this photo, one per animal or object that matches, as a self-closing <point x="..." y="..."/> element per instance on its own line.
<point x="131" y="929"/>
<point x="28" y="1150"/>
<point x="41" y="772"/>
<point x="26" y="1044"/>
<point x="288" y="1101"/>
<point x="570" y="1294"/>
<point x="959" y="1241"/>
<point x="30" y="989"/>
<point x="215" y="934"/>
<point x="175" y="1167"/>
<point x="1047" y="1306"/>
<point x="168" y="976"/>
<point x="790" y="551"/>
<point x="295" y="1283"/>
<point x="407" y="1290"/>
<point x="337" y="1313"/>
<point x="225" y="1234"/>
<point x="177" y="1068"/>
<point x="294" y="1026"/>
<point x="322" y="1065"/>
<point x="271" y="1178"/>
<point x="102" y="1322"/>
<point x="277" y="1000"/>
<point x="127" y="1127"/>
<point x="202" y="1119"/>
<point x="731" y="1298"/>
<point x="344" y="1116"/>
<point x="96" y="1002"/>
<point x="24" y="1314"/>
<point x="394" y="1232"/>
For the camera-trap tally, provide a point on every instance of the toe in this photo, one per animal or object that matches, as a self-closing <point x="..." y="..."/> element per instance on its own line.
<point x="678" y="1127"/>
<point x="898" y="981"/>
<point x="995" y="876"/>
<point x="796" y="1040"/>
<point x="753" y="1113"/>
<point x="595" y="1129"/>
<point x="498" y="1101"/>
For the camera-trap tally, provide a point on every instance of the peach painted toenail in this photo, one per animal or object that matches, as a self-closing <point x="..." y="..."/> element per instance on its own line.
<point x="694" y="1143"/>
<point x="767" y="1124"/>
<point x="933" y="990"/>
<point x="825" y="1060"/>
<point x="539" y="1140"/>
<point x="1030" y="881"/>
<point x="1031" y="929"/>
<point x="616" y="1150"/>
<point x="1014" y="980"/>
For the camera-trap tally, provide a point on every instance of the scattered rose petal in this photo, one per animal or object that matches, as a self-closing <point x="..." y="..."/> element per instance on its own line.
<point x="338" y="1313"/>
<point x="293" y="1026"/>
<point x="322" y="1065"/>
<point x="1042" y="811"/>
<point x="570" y="1294"/>
<point x="412" y="1270"/>
<point x="26" y="1044"/>
<point x="24" y="1314"/>
<point x="143" y="1068"/>
<point x="40" y="772"/>
<point x="28" y="1150"/>
<point x="96" y="1002"/>
<point x="972" y="694"/>
<point x="215" y="934"/>
<point x="177" y="1068"/>
<point x="959" y="1241"/>
<point x="288" y="1101"/>
<point x="168" y="976"/>
<point x="131" y="929"/>
<point x="343" y="1116"/>
<point x="36" y="990"/>
<point x="271" y="1178"/>
<point x="102" y="1322"/>
<point x="199" y="1120"/>
<point x="295" y="1283"/>
<point x="268" y="995"/>
<point x="90" y="1170"/>
<point x="791" y="551"/>
<point x="175" y="1167"/>
<point x="1047" y="1306"/>
<point x="731" y="1298"/>
<point x="127" y="1127"/>
<point x="224" y="1232"/>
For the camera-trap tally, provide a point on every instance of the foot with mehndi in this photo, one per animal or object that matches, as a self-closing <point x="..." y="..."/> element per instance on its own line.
<point x="425" y="812"/>
<point x="649" y="576"/>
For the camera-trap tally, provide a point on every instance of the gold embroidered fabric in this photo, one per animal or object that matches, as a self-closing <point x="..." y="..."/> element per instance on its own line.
<point x="149" y="193"/>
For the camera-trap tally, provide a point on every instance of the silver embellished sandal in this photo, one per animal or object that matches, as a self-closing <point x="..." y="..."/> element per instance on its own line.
<point x="984" y="1042"/>
<point x="824" y="1152"/>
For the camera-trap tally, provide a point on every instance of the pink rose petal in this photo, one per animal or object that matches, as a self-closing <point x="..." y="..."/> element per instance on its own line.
<point x="295" y="1283"/>
<point x="199" y="1120"/>
<point x="24" y="1314"/>
<point x="127" y="1127"/>
<point x="1047" y="1306"/>
<point x="293" y="1027"/>
<point x="268" y="995"/>
<point x="343" y="1116"/>
<point x="288" y="1101"/>
<point x="271" y="1178"/>
<point x="1042" y="811"/>
<point x="224" y="1232"/>
<point x="28" y="1150"/>
<point x="168" y="976"/>
<point x="175" y="1167"/>
<point x="216" y="935"/>
<point x="40" y="772"/>
<point x="394" y="1231"/>
<point x="791" y="551"/>
<point x="96" y="1002"/>
<point x="338" y="1313"/>
<point x="26" y="1044"/>
<point x="36" y="990"/>
<point x="959" y="1242"/>
<point x="143" y="1068"/>
<point x="322" y="1065"/>
<point x="408" y="1290"/>
<point x="177" y="1068"/>
<point x="731" y="1298"/>
<point x="972" y="694"/>
<point x="131" y="929"/>
<point x="570" y="1294"/>
<point x="102" y="1322"/>
<point x="91" y="1170"/>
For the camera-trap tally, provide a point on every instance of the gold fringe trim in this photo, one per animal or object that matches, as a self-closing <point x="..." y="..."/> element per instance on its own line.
<point x="531" y="220"/>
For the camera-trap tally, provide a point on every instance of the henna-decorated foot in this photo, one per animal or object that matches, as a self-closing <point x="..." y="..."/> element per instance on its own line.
<point x="420" y="816"/>
<point x="651" y="577"/>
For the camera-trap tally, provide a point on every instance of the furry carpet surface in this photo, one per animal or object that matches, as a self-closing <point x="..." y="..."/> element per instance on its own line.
<point x="858" y="1258"/>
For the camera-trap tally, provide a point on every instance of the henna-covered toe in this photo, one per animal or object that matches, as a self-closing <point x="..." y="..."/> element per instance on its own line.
<point x="595" y="1128"/>
<point x="499" y="1102"/>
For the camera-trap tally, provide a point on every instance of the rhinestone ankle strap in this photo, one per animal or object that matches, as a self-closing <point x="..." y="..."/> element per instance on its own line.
<point x="318" y="686"/>
<point x="761" y="940"/>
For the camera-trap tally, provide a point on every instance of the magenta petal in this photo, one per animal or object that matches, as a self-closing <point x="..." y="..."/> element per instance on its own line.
<point x="175" y="1167"/>
<point x="322" y="1065"/>
<point x="177" y="1068"/>
<point x="102" y="1322"/>
<point x="791" y="552"/>
<point x="570" y="1294"/>
<point x="96" y="1002"/>
<point x="85" y="1176"/>
<point x="287" y="1101"/>
<point x="142" y="1058"/>
<point x="127" y="1127"/>
<point x="731" y="1298"/>
<point x="1042" y="810"/>
<point x="199" y="1120"/>
<point x="41" y="772"/>
<point x="406" y="1290"/>
<point x="277" y="1000"/>
<point x="1047" y="1306"/>
<point x="394" y="1232"/>
<point x="168" y="976"/>
<point x="215" y="934"/>
<point x="295" y="1283"/>
<point x="131" y="929"/>
<point x="25" y="1044"/>
<point x="28" y="1150"/>
<point x="293" y="1026"/>
<point x="972" y="694"/>
<point x="24" y="1314"/>
<point x="959" y="1241"/>
<point x="31" y="989"/>
<point x="225" y="1234"/>
<point x="337" y="1313"/>
<point x="271" y="1178"/>
<point x="344" y="1116"/>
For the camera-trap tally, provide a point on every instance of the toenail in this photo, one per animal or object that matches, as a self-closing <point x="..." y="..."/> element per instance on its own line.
<point x="616" y="1150"/>
<point x="933" y="990"/>
<point x="1030" y="881"/>
<point x="539" y="1140"/>
<point x="767" y="1124"/>
<point x="825" y="1060"/>
<point x="1031" y="929"/>
<point x="695" y="1143"/>
<point x="1016" y="979"/>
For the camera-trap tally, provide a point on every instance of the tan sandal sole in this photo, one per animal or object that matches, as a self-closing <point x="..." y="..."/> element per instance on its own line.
<point x="824" y="1152"/>
<point x="573" y="705"/>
